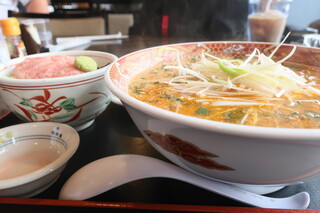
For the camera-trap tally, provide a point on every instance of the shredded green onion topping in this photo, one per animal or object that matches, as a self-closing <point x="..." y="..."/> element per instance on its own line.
<point x="253" y="80"/>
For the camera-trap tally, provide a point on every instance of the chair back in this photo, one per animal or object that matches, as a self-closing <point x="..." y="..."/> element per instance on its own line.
<point x="64" y="25"/>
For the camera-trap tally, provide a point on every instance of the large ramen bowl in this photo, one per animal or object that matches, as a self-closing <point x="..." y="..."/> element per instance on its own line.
<point x="75" y="100"/>
<point x="223" y="151"/>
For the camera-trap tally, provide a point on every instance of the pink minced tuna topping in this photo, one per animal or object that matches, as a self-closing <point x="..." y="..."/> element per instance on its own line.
<point x="46" y="67"/>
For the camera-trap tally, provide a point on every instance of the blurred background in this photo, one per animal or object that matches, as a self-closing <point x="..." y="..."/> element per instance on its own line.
<point x="201" y="19"/>
<point x="33" y="26"/>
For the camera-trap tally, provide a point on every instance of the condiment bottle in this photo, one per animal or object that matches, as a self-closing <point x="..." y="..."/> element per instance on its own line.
<point x="11" y="30"/>
<point x="30" y="36"/>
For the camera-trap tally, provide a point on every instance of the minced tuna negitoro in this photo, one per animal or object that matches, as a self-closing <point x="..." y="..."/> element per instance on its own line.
<point x="46" y="67"/>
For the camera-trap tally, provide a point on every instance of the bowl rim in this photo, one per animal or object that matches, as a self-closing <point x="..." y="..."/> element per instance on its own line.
<point x="294" y="134"/>
<point x="72" y="147"/>
<point x="70" y="78"/>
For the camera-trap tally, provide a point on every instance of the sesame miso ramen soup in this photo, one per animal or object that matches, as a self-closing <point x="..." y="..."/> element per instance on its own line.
<point x="254" y="90"/>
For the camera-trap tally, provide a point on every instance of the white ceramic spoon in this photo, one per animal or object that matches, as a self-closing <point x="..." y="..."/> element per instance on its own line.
<point x="107" y="173"/>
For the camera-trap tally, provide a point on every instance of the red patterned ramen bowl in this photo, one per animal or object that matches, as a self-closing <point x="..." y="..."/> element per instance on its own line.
<point x="75" y="100"/>
<point x="222" y="151"/>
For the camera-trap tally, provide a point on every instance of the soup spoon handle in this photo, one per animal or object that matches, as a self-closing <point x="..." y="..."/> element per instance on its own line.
<point x="107" y="173"/>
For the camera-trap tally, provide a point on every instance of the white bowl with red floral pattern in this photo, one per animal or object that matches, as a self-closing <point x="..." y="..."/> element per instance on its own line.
<point x="75" y="100"/>
<point x="222" y="151"/>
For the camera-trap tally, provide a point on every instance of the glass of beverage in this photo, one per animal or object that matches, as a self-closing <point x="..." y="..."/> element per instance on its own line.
<point x="267" y="19"/>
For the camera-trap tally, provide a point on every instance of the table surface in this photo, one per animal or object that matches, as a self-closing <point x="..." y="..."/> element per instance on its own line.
<point x="112" y="133"/>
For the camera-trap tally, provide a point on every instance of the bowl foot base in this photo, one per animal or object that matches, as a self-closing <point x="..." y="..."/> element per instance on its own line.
<point x="84" y="126"/>
<point x="263" y="189"/>
<point x="38" y="191"/>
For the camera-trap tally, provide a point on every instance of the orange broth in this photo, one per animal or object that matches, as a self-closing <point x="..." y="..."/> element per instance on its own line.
<point x="149" y="87"/>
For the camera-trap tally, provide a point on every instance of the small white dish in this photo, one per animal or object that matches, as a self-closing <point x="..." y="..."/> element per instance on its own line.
<point x="32" y="156"/>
